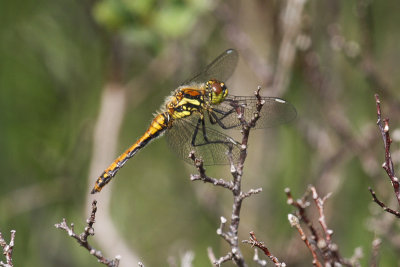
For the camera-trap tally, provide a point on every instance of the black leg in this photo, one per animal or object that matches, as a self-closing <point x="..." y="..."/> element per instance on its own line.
<point x="204" y="131"/>
<point x="215" y="119"/>
<point x="224" y="113"/>
<point x="196" y="130"/>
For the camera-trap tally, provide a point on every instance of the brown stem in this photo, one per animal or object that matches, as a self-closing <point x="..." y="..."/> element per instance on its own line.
<point x="383" y="206"/>
<point x="383" y="126"/>
<point x="294" y="222"/>
<point x="254" y="242"/>
<point x="82" y="238"/>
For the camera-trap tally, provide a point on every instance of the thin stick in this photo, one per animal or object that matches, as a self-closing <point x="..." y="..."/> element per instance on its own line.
<point x="383" y="126"/>
<point x="254" y="242"/>
<point x="82" y="238"/>
<point x="294" y="222"/>
<point x="380" y="203"/>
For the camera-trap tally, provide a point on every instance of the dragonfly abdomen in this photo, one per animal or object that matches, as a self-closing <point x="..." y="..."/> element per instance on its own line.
<point x="158" y="125"/>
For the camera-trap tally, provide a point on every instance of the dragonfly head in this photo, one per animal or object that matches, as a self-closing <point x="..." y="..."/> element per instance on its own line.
<point x="217" y="91"/>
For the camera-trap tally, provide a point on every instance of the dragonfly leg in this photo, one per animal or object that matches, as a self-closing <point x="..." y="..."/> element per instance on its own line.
<point x="196" y="130"/>
<point x="224" y="113"/>
<point x="200" y="121"/>
<point x="215" y="119"/>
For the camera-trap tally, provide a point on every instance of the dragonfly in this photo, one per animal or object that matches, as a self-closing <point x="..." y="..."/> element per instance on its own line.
<point x="196" y="115"/>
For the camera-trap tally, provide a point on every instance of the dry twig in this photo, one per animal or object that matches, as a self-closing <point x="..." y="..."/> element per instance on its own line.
<point x="82" y="238"/>
<point x="255" y="243"/>
<point x="317" y="244"/>
<point x="383" y="126"/>
<point x="231" y="236"/>
<point x="7" y="249"/>
<point x="294" y="222"/>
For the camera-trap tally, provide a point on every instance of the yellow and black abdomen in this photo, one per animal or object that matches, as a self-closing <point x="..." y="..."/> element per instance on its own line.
<point x="158" y="125"/>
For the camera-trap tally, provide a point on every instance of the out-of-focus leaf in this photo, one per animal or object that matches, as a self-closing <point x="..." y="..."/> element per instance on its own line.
<point x="201" y="5"/>
<point x="139" y="36"/>
<point x="174" y="21"/>
<point x="139" y="7"/>
<point x="112" y="14"/>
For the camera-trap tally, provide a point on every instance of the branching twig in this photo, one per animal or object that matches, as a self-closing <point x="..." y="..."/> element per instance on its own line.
<point x="317" y="244"/>
<point x="329" y="249"/>
<point x="202" y="174"/>
<point x="294" y="222"/>
<point x="301" y="205"/>
<point x="82" y="238"/>
<point x="383" y="126"/>
<point x="231" y="236"/>
<point x="254" y="242"/>
<point x="319" y="202"/>
<point x="380" y="203"/>
<point x="227" y="257"/>
<point x="7" y="249"/>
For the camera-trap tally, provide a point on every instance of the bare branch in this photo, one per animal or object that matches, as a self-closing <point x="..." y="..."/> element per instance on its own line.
<point x="231" y="236"/>
<point x="383" y="126"/>
<point x="320" y="205"/>
<point x="254" y="242"/>
<point x="301" y="205"/>
<point x="7" y="249"/>
<point x="227" y="257"/>
<point x="380" y="203"/>
<point x="220" y="231"/>
<point x="294" y="222"/>
<point x="202" y="174"/>
<point x="317" y="244"/>
<point x="251" y="192"/>
<point x="82" y="238"/>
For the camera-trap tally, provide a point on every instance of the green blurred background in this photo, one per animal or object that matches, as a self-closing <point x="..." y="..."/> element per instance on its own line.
<point x="58" y="58"/>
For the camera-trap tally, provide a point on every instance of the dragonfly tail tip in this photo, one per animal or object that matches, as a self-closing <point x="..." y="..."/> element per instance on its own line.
<point x="94" y="191"/>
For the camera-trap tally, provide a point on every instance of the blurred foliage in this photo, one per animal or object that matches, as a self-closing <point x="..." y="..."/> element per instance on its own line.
<point x="55" y="60"/>
<point x="146" y="22"/>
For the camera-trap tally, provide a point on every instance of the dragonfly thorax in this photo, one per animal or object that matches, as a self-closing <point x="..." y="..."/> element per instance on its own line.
<point x="217" y="91"/>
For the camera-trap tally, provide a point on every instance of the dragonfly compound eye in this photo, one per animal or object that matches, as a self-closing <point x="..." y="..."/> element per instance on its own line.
<point x="216" y="88"/>
<point x="218" y="91"/>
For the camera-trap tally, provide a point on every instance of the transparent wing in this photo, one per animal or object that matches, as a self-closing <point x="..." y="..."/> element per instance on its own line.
<point x="220" y="69"/>
<point x="179" y="138"/>
<point x="274" y="112"/>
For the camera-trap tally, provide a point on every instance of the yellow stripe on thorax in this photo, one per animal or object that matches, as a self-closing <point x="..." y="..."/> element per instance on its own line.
<point x="185" y="106"/>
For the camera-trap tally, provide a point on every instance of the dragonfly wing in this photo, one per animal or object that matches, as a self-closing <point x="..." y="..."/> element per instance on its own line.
<point x="220" y="69"/>
<point x="274" y="112"/>
<point x="213" y="152"/>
